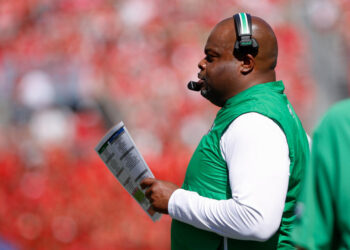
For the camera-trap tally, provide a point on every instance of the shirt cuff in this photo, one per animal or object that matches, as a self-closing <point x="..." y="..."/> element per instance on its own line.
<point x="172" y="201"/>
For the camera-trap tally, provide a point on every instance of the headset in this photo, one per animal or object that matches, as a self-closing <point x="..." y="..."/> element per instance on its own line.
<point x="245" y="43"/>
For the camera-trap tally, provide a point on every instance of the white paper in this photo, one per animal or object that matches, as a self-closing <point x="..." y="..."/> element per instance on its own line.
<point x="119" y="153"/>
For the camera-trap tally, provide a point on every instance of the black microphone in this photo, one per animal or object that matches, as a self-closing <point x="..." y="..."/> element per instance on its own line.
<point x="192" y="85"/>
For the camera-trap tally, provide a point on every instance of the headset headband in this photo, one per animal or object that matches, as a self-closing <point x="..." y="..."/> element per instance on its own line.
<point x="244" y="43"/>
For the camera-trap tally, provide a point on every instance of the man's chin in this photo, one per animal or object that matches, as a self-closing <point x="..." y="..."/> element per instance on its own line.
<point x="207" y="94"/>
<point x="204" y="92"/>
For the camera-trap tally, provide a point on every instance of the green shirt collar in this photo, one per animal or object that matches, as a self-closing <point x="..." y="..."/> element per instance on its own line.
<point x="269" y="86"/>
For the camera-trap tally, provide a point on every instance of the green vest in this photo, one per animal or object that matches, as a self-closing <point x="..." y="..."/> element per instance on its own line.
<point x="207" y="172"/>
<point x="323" y="220"/>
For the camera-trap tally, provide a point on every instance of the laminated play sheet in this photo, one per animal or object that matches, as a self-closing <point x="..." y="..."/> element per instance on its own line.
<point x="119" y="153"/>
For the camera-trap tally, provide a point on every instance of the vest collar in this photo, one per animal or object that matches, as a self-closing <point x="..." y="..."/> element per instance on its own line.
<point x="277" y="87"/>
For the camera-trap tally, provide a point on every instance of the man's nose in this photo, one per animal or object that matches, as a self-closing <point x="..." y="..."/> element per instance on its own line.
<point x="201" y="64"/>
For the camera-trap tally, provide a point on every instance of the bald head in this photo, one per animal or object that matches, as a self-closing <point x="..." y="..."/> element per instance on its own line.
<point x="268" y="51"/>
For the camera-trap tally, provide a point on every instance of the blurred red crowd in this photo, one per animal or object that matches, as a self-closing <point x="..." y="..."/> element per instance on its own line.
<point x="69" y="70"/>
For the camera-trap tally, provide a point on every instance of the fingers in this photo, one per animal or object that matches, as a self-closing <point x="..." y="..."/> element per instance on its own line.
<point x="158" y="192"/>
<point x="148" y="194"/>
<point x="147" y="182"/>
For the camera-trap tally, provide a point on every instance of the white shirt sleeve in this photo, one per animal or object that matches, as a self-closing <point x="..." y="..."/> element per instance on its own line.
<point x="257" y="155"/>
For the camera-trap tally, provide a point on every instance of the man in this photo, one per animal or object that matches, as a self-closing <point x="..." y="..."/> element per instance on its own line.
<point x="323" y="220"/>
<point x="242" y="181"/>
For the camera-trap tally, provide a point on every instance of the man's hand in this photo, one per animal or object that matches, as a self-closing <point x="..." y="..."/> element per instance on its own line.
<point x="158" y="193"/>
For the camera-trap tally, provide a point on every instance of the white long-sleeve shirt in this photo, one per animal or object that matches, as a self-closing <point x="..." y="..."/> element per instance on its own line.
<point x="257" y="155"/>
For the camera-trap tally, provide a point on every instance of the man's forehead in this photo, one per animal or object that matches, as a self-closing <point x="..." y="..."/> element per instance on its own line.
<point x="222" y="36"/>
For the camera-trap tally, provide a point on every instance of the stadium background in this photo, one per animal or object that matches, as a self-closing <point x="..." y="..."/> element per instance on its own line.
<point x="70" y="69"/>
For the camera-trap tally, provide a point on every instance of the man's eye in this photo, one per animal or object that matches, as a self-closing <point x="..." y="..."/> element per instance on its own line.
<point x="209" y="58"/>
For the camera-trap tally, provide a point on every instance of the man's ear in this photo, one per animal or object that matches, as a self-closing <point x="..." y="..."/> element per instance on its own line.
<point x="247" y="64"/>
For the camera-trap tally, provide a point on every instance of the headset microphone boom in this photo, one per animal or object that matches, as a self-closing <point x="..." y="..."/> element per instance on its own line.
<point x="192" y="85"/>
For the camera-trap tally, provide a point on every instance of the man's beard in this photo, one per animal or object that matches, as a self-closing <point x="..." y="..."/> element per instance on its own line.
<point x="211" y="95"/>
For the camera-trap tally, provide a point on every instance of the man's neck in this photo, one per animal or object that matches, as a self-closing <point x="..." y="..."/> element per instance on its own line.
<point x="259" y="78"/>
<point x="253" y="80"/>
